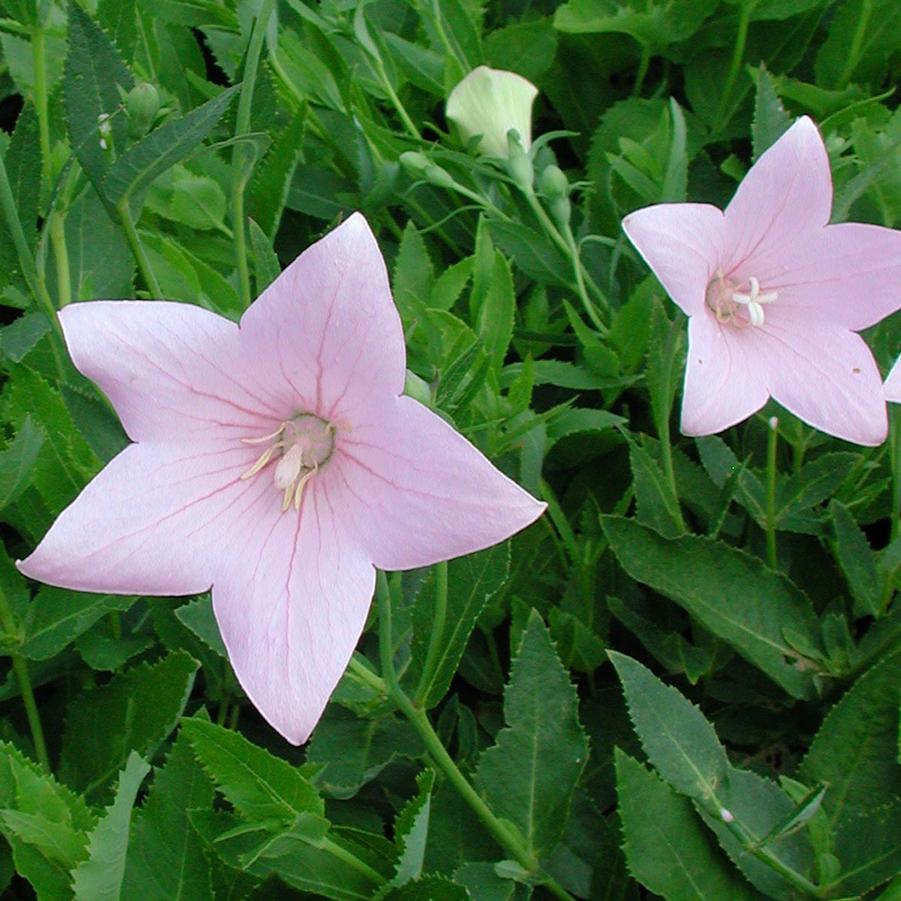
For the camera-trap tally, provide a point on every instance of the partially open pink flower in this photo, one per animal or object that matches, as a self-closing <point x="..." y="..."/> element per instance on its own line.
<point x="275" y="461"/>
<point x="775" y="295"/>
<point x="893" y="383"/>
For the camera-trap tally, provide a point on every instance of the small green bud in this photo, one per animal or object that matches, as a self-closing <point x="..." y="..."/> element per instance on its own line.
<point x="553" y="182"/>
<point x="142" y="104"/>
<point x="418" y="165"/>
<point x="519" y="165"/>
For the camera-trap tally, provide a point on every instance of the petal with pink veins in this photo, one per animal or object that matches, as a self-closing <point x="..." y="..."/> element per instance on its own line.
<point x="684" y="244"/>
<point x="325" y="336"/>
<point x="151" y="521"/>
<point x="723" y="384"/>
<point x="417" y="491"/>
<point x="786" y="194"/>
<point x="847" y="274"/>
<point x="826" y="376"/>
<point x="291" y="601"/>
<point x="173" y="371"/>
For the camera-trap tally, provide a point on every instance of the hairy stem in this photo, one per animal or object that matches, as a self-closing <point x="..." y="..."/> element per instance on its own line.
<point x="137" y="248"/>
<point x="240" y="163"/>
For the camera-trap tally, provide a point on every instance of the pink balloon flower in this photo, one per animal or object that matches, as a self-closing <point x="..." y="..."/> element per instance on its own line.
<point x="775" y="295"/>
<point x="277" y="462"/>
<point x="893" y="383"/>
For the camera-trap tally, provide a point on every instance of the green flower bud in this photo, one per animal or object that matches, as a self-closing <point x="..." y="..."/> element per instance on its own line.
<point x="418" y="165"/>
<point x="553" y="183"/>
<point x="519" y="165"/>
<point x="142" y="104"/>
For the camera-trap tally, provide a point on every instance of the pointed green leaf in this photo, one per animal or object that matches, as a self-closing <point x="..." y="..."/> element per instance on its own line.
<point x="667" y="848"/>
<point x="858" y="562"/>
<point x="198" y="616"/>
<point x="540" y="708"/>
<point x="99" y="876"/>
<point x="675" y="735"/>
<point x="259" y="785"/>
<point x="655" y="504"/>
<point x="770" y="118"/>
<point x="266" y="266"/>
<point x="411" y="831"/>
<point x="134" y="171"/>
<point x="138" y="710"/>
<point x="16" y="461"/>
<point x="729" y="592"/>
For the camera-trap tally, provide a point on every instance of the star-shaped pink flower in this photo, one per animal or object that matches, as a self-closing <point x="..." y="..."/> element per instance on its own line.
<point x="893" y="383"/>
<point x="775" y="295"/>
<point x="277" y="462"/>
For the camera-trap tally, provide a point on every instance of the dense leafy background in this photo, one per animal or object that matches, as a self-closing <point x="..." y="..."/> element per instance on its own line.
<point x="752" y="753"/>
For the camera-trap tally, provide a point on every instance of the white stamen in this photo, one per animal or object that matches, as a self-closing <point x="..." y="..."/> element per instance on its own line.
<point x="754" y="300"/>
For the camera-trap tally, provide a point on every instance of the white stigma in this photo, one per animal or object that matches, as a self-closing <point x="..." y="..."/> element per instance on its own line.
<point x="301" y="445"/>
<point x="754" y="301"/>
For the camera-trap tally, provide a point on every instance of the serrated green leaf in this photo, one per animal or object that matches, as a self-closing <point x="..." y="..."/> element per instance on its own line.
<point x="771" y="120"/>
<point x="667" y="848"/>
<point x="411" y="829"/>
<point x="22" y="335"/>
<point x="138" y="709"/>
<point x="858" y="562"/>
<point x="198" y="616"/>
<point x="95" y="73"/>
<point x="854" y="753"/>
<point x="266" y="266"/>
<point x="165" y="856"/>
<point x="540" y="709"/>
<point x="268" y="190"/>
<point x="677" y="738"/>
<point x="57" y="616"/>
<point x="729" y="592"/>
<point x="23" y="169"/>
<point x="16" y="461"/>
<point x="471" y="581"/>
<point x="99" y="876"/>
<point x="260" y="786"/>
<point x="430" y="888"/>
<point x="353" y="750"/>
<point x="169" y="144"/>
<point x="655" y="504"/>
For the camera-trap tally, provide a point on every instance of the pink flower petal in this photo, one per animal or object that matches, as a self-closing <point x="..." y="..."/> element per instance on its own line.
<point x="171" y="370"/>
<point x="418" y="492"/>
<point x="325" y="336"/>
<point x="825" y="375"/>
<point x="848" y="274"/>
<point x="786" y="194"/>
<point x="723" y="384"/>
<point x="893" y="384"/>
<point x="151" y="521"/>
<point x="683" y="243"/>
<point x="291" y="602"/>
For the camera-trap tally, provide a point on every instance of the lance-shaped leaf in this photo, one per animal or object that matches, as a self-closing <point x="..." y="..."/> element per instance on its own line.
<point x="94" y="75"/>
<point x="729" y="592"/>
<point x="99" y="876"/>
<point x="858" y="562"/>
<point x="667" y="848"/>
<point x="259" y="785"/>
<point x="16" y="461"/>
<point x="530" y="774"/>
<point x="169" y="144"/>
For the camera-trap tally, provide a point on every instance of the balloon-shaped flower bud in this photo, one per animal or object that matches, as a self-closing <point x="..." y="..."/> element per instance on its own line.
<point x="555" y="187"/>
<point x="418" y="165"/>
<point x="488" y="103"/>
<point x="142" y="104"/>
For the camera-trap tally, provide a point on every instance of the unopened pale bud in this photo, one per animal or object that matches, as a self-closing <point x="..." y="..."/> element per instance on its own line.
<point x="553" y="182"/>
<point x="518" y="163"/>
<point x="418" y="165"/>
<point x="142" y="104"/>
<point x="489" y="102"/>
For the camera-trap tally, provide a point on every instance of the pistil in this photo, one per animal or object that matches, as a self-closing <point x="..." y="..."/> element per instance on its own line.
<point x="302" y="445"/>
<point x="725" y="301"/>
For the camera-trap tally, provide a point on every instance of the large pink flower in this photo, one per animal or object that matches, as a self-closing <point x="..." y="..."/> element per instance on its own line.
<point x="775" y="295"/>
<point x="277" y="462"/>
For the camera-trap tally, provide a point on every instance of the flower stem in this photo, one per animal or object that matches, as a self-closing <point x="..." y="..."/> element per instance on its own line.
<point x="501" y="832"/>
<point x="351" y="860"/>
<point x="240" y="163"/>
<point x="20" y="667"/>
<point x="772" y="441"/>
<point x="738" y="52"/>
<point x="436" y="638"/>
<point x="137" y="248"/>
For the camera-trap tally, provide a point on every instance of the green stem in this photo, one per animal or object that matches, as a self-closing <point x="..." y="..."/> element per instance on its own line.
<point x="364" y="674"/>
<point x="401" y="110"/>
<point x="420" y="721"/>
<point x="852" y="57"/>
<point x="137" y="249"/>
<point x="662" y="421"/>
<point x="738" y="52"/>
<point x="772" y="442"/>
<point x="20" y="667"/>
<point x="239" y="153"/>
<point x="436" y="638"/>
<point x="351" y="860"/>
<point x="895" y="450"/>
<point x="56" y="227"/>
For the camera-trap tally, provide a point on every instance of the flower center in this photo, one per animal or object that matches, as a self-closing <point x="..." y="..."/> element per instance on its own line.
<point x="738" y="307"/>
<point x="301" y="445"/>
